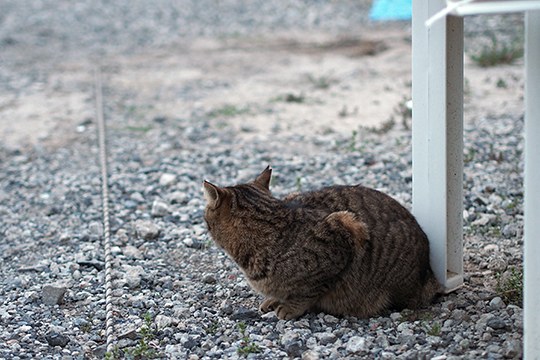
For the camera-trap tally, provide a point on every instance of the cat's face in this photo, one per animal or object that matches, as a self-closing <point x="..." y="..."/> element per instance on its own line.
<point x="221" y="202"/>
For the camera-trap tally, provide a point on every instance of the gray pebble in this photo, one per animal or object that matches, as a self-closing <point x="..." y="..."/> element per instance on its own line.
<point x="146" y="230"/>
<point x="497" y="303"/>
<point x="53" y="294"/>
<point x="55" y="338"/>
<point x="356" y="345"/>
<point x="496" y="323"/>
<point x="160" y="208"/>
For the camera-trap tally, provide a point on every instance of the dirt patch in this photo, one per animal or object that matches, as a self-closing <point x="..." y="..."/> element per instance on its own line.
<point x="287" y="83"/>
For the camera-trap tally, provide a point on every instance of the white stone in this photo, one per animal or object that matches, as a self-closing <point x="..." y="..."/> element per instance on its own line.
<point x="132" y="275"/>
<point x="160" y="208"/>
<point x="356" y="345"/>
<point x="146" y="230"/>
<point x="163" y="321"/>
<point x="167" y="179"/>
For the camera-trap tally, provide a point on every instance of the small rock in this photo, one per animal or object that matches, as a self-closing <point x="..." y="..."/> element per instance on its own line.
<point x="496" y="323"/>
<point x="395" y="316"/>
<point x="496" y="303"/>
<point x="484" y="220"/>
<point x="244" y="314"/>
<point x="509" y="231"/>
<point x="310" y="355"/>
<point x="209" y="279"/>
<point x="98" y="265"/>
<point x="497" y="264"/>
<point x="330" y="319"/>
<point x="325" y="338"/>
<point x="129" y="334"/>
<point x="133" y="275"/>
<point x="53" y="294"/>
<point x="146" y="230"/>
<point x="137" y="197"/>
<point x="387" y="355"/>
<point x="194" y="244"/>
<point x="356" y="345"/>
<point x="178" y="197"/>
<point x="55" y="338"/>
<point x="491" y="248"/>
<point x="160" y="208"/>
<point x="167" y="179"/>
<point x="131" y="251"/>
<point x="294" y="348"/>
<point x="512" y="349"/>
<point x="163" y="321"/>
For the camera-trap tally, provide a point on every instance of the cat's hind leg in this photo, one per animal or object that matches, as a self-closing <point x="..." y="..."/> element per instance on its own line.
<point x="292" y="309"/>
<point x="268" y="304"/>
<point x="285" y="310"/>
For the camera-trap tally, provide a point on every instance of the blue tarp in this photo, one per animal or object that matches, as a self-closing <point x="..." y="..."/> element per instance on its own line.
<point x="382" y="10"/>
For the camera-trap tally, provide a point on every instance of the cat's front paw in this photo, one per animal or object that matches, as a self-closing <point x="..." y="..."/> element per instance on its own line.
<point x="269" y="304"/>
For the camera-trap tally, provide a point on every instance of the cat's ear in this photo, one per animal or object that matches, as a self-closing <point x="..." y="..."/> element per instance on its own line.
<point x="212" y="194"/>
<point x="264" y="178"/>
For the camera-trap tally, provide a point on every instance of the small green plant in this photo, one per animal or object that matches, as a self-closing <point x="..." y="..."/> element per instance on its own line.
<point x="344" y="112"/>
<point x="229" y="110"/>
<point x="85" y="328"/>
<point x="112" y="355"/>
<point x="298" y="183"/>
<point x="510" y="286"/>
<point x="247" y="346"/>
<point x="142" y="129"/>
<point x="352" y="143"/>
<point x="433" y="329"/>
<point x="290" y="98"/>
<point x="403" y="110"/>
<point x="501" y="84"/>
<point x="144" y="349"/>
<point x="212" y="328"/>
<point x="321" y="82"/>
<point x="469" y="156"/>
<point x="498" y="53"/>
<point x="384" y="128"/>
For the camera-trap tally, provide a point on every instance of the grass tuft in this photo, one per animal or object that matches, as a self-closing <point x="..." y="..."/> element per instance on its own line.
<point x="498" y="53"/>
<point x="229" y="110"/>
<point x="510" y="286"/>
<point x="247" y="346"/>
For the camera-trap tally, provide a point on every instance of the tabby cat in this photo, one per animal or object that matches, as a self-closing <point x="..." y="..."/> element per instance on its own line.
<point x="343" y="250"/>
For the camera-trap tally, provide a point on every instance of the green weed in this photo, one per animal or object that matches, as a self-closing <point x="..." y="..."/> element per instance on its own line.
<point x="510" y="286"/>
<point x="501" y="84"/>
<point x="352" y="143"/>
<point x="142" y="129"/>
<point x="298" y="183"/>
<point x="433" y="329"/>
<point x="290" y="98"/>
<point x="247" y="346"/>
<point x="384" y="128"/>
<point x="212" y="328"/>
<point x="143" y="349"/>
<point x="229" y="110"/>
<point x="322" y="82"/>
<point x="498" y="53"/>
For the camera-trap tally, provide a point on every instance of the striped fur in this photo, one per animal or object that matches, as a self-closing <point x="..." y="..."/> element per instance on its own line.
<point x="343" y="250"/>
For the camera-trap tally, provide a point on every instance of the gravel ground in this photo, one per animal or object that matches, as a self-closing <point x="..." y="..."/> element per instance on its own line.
<point x="176" y="294"/>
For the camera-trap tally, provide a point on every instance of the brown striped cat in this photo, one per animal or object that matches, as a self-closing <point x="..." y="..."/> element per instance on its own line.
<point x="343" y="250"/>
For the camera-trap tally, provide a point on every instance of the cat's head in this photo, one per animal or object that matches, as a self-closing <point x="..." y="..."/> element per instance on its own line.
<point x="224" y="202"/>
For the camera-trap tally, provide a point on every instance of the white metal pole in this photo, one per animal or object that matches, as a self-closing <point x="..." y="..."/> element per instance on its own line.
<point x="437" y="130"/>
<point x="532" y="187"/>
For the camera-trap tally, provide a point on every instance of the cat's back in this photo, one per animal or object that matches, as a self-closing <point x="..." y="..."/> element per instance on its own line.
<point x="372" y="206"/>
